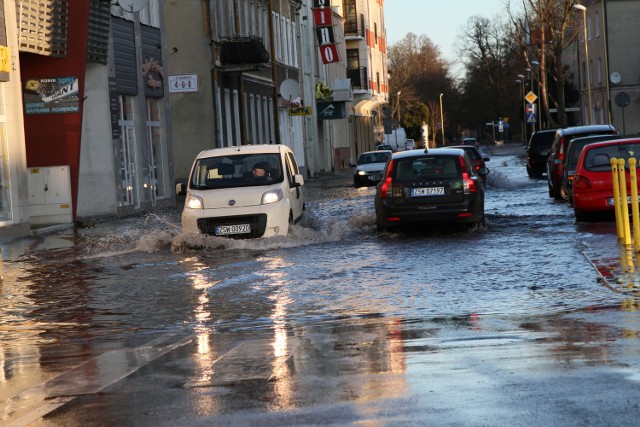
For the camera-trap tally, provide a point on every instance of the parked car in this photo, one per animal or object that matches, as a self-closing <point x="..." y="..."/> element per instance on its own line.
<point x="555" y="161"/>
<point x="385" y="147"/>
<point x="593" y="182"/>
<point x="574" y="148"/>
<point x="470" y="141"/>
<point x="479" y="162"/>
<point x="538" y="149"/>
<point x="427" y="187"/>
<point x="410" y="144"/>
<point x="228" y="194"/>
<point x="369" y="169"/>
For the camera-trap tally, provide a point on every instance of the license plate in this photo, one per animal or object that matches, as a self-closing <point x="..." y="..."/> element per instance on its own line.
<point x="611" y="202"/>
<point x="223" y="230"/>
<point x="428" y="191"/>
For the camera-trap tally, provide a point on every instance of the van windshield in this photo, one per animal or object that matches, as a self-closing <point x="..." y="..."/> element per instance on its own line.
<point x="242" y="170"/>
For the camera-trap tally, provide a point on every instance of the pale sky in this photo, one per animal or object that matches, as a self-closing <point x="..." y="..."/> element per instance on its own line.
<point x="440" y="20"/>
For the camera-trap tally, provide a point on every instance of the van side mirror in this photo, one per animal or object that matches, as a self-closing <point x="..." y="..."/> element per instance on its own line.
<point x="181" y="189"/>
<point x="298" y="180"/>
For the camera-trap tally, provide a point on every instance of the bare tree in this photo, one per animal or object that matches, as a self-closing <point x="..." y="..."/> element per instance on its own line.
<point x="545" y="29"/>
<point x="417" y="71"/>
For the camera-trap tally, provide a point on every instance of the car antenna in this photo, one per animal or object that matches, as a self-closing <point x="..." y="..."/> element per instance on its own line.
<point x="426" y="150"/>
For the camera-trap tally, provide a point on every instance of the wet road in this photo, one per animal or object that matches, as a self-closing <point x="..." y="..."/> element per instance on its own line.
<point x="132" y="323"/>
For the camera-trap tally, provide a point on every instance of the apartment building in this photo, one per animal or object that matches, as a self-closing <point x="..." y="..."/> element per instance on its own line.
<point x="608" y="73"/>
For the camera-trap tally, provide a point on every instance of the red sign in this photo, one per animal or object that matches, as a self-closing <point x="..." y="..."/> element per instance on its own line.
<point x="329" y="54"/>
<point x="322" y="17"/>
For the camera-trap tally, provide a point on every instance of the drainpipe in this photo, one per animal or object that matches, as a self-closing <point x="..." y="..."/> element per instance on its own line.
<point x="274" y="75"/>
<point x="606" y="58"/>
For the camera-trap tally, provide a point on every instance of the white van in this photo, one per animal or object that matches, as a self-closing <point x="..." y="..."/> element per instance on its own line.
<point x="244" y="191"/>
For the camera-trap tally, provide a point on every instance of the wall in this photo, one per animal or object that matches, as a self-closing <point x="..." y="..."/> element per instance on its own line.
<point x="54" y="139"/>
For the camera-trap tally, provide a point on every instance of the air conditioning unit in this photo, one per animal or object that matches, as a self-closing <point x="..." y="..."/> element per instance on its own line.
<point x="50" y="195"/>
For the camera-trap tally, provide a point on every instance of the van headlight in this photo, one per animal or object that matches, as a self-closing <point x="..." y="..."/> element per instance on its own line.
<point x="272" y="196"/>
<point x="361" y="172"/>
<point x="193" y="202"/>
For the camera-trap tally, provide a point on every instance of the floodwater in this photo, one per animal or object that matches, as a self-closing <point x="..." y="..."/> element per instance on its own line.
<point x="74" y="295"/>
<point x="131" y="273"/>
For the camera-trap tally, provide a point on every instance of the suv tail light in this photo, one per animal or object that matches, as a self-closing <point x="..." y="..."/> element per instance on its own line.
<point x="385" y="187"/>
<point x="468" y="184"/>
<point x="561" y="150"/>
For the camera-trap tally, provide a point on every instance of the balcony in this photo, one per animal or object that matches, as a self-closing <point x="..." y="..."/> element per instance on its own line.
<point x="243" y="50"/>
<point x="354" y="26"/>
<point x="359" y="78"/>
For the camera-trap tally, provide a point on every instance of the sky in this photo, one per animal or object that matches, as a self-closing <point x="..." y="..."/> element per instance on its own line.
<point x="440" y="20"/>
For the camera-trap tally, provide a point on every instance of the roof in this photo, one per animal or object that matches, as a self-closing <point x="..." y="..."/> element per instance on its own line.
<point x="586" y="129"/>
<point x="243" y="149"/>
<point x="445" y="151"/>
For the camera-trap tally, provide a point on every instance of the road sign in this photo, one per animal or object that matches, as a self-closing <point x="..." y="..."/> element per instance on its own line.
<point x="530" y="110"/>
<point x="531" y="97"/>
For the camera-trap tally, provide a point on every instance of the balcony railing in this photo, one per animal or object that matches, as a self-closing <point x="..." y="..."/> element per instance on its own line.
<point x="354" y="26"/>
<point x="359" y="78"/>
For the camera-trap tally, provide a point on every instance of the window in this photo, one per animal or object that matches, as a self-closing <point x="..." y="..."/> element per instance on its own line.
<point x="600" y="70"/>
<point x="588" y="27"/>
<point x="597" y="22"/>
<point x="353" y="60"/>
<point x="156" y="160"/>
<point x="375" y="33"/>
<point x="5" y="187"/>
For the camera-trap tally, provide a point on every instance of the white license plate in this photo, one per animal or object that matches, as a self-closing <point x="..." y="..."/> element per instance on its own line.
<point x="428" y="191"/>
<point x="611" y="202"/>
<point x="223" y="230"/>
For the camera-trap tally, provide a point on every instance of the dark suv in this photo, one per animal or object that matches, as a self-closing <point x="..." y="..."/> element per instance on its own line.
<point x="556" y="159"/>
<point x="427" y="187"/>
<point x="538" y="150"/>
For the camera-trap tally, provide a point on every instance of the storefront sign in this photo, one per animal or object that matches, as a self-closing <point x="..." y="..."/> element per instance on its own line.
<point x="331" y="110"/>
<point x="300" y="111"/>
<point x="5" y="63"/>
<point x="51" y="96"/>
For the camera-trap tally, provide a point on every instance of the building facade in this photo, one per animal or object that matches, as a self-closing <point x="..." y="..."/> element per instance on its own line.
<point x="608" y="75"/>
<point x="14" y="195"/>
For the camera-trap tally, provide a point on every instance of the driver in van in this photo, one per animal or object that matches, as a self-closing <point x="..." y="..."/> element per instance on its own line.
<point x="260" y="171"/>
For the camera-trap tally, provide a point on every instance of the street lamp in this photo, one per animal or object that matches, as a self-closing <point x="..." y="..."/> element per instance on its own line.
<point x="442" y="119"/>
<point x="524" y="108"/>
<point x="586" y="54"/>
<point x="398" y="105"/>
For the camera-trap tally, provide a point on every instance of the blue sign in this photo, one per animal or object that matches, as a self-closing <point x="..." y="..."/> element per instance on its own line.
<point x="530" y="110"/>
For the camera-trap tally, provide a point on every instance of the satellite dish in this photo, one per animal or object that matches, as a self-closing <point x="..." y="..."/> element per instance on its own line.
<point x="615" y="78"/>
<point x="132" y="6"/>
<point x="289" y="89"/>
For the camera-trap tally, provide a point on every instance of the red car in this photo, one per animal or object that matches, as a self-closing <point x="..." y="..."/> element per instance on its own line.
<point x="478" y="162"/>
<point x="593" y="183"/>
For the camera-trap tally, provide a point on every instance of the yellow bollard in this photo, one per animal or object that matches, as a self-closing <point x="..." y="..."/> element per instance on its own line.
<point x="624" y="204"/>
<point x="616" y="196"/>
<point x="635" y="211"/>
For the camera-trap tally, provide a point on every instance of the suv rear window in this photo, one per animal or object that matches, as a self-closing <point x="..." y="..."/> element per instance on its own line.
<point x="440" y="167"/>
<point x="544" y="139"/>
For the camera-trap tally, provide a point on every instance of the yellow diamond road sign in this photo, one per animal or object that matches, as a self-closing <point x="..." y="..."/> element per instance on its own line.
<point x="531" y="97"/>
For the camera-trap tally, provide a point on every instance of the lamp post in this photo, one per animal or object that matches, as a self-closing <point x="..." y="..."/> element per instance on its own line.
<point x="524" y="109"/>
<point x="398" y="105"/>
<point x="586" y="55"/>
<point x="442" y="119"/>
